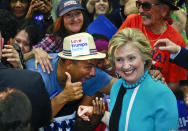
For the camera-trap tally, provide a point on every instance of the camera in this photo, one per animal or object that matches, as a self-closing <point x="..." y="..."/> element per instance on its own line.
<point x="21" y="56"/>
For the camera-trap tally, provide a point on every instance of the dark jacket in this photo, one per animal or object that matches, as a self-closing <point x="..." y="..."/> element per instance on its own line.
<point x="182" y="58"/>
<point x="32" y="85"/>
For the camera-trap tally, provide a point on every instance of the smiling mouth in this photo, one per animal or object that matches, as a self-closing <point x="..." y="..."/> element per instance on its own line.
<point x="128" y="72"/>
<point x="102" y="8"/>
<point x="18" y="11"/>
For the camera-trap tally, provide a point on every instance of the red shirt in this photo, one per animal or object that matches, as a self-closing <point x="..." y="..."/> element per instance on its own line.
<point x="170" y="71"/>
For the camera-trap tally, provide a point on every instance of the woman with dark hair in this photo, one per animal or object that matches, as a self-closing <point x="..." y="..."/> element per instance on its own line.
<point x="28" y="35"/>
<point x="66" y="23"/>
<point x="97" y="7"/>
<point x="37" y="10"/>
<point x="71" y="20"/>
<point x="19" y="7"/>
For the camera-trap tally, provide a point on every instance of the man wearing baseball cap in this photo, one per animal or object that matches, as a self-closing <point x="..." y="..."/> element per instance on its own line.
<point x="71" y="68"/>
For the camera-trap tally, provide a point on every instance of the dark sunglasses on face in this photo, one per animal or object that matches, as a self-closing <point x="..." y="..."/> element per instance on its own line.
<point x="146" y="6"/>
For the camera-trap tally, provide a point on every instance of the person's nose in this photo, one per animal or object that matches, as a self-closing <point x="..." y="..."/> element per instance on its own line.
<point x="18" y="3"/>
<point x="75" y="17"/>
<point x="21" y="46"/>
<point x="93" y="71"/>
<point x="126" y="65"/>
<point x="140" y="9"/>
<point x="101" y="2"/>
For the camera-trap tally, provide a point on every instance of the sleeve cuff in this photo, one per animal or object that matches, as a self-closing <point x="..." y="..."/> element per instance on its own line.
<point x="173" y="56"/>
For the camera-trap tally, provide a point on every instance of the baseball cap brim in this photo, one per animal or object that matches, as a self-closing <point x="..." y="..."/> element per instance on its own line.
<point x="98" y="55"/>
<point x="70" y="9"/>
<point x="172" y="7"/>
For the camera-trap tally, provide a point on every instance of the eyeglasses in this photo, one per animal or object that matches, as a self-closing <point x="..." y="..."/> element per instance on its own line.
<point x="146" y="6"/>
<point x="72" y="15"/>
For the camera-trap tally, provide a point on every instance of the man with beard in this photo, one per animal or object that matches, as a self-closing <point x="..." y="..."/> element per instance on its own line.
<point x="152" y="21"/>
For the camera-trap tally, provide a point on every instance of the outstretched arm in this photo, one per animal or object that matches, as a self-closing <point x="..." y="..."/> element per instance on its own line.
<point x="41" y="57"/>
<point x="180" y="56"/>
<point x="167" y="45"/>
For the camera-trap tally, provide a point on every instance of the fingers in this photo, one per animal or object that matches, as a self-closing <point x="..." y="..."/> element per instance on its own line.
<point x="160" y="43"/>
<point x="166" y="45"/>
<point x="98" y="106"/>
<point x="10" y="52"/>
<point x="85" y="118"/>
<point x="163" y="80"/>
<point x="36" y="62"/>
<point x="157" y="75"/>
<point x="43" y="59"/>
<point x="101" y="105"/>
<point x="12" y="56"/>
<point x="78" y="93"/>
<point x="82" y="110"/>
<point x="68" y="77"/>
<point x="39" y="60"/>
<point x="104" y="108"/>
<point x="8" y="47"/>
<point x="94" y="106"/>
<point x="45" y="64"/>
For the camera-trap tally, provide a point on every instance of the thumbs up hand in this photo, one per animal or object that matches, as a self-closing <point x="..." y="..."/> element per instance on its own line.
<point x="73" y="91"/>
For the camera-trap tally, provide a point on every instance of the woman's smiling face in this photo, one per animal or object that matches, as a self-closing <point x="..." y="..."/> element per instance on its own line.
<point x="19" y="7"/>
<point x="129" y="63"/>
<point x="73" y="21"/>
<point x="101" y="7"/>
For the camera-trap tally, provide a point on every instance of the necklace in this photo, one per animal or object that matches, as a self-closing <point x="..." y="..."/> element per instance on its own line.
<point x="137" y="83"/>
<point x="147" y="37"/>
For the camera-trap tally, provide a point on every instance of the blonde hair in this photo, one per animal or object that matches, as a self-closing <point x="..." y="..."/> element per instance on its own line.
<point x="135" y="37"/>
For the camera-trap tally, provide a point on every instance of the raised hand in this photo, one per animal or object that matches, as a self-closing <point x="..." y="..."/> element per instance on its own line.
<point x="72" y="91"/>
<point x="34" y="6"/>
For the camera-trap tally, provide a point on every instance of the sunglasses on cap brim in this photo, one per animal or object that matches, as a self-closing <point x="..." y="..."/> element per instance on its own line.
<point x="146" y="6"/>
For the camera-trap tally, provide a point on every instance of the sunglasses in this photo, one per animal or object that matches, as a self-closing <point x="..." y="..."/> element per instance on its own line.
<point x="146" y="6"/>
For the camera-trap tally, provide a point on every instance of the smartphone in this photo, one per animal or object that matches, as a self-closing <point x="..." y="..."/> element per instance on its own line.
<point x="2" y="41"/>
<point x="1" y="44"/>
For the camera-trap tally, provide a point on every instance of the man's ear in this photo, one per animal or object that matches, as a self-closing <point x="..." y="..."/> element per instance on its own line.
<point x="166" y="12"/>
<point x="68" y="64"/>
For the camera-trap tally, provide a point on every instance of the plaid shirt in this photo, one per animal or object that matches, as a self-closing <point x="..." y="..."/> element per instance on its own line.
<point x="50" y="44"/>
